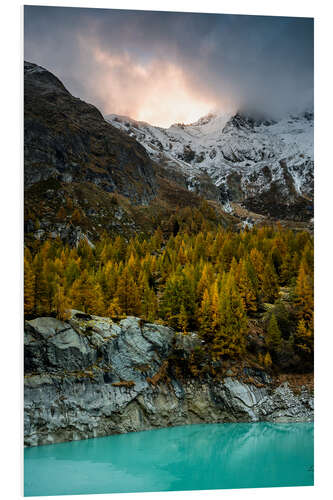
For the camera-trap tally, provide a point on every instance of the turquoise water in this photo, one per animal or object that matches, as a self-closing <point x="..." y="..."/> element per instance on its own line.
<point x="208" y="456"/>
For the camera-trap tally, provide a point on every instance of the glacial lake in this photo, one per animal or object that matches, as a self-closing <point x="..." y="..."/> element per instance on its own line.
<point x="193" y="457"/>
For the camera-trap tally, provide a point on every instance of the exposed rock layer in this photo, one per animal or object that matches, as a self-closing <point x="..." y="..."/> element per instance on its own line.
<point x="91" y="377"/>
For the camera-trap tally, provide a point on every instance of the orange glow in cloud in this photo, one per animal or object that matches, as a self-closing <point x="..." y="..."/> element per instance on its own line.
<point x="157" y="93"/>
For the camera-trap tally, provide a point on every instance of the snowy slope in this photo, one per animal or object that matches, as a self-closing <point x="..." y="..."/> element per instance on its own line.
<point x="265" y="165"/>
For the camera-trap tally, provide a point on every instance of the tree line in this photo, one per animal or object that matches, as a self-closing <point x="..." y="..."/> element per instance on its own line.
<point x="214" y="282"/>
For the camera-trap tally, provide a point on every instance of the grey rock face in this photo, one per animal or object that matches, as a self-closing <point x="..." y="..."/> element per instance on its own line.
<point x="92" y="377"/>
<point x="52" y="345"/>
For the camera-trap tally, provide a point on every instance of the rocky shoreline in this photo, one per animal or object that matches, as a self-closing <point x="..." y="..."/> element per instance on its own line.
<point x="90" y="377"/>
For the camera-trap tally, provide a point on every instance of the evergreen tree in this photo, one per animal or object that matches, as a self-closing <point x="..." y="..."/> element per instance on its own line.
<point x="183" y="319"/>
<point x="128" y="294"/>
<point x="270" y="286"/>
<point x="61" y="304"/>
<point x="230" y="339"/>
<point x="246" y="289"/>
<point x="304" y="296"/>
<point x="303" y="338"/>
<point x="287" y="269"/>
<point x="114" y="310"/>
<point x="273" y="336"/>
<point x="179" y="290"/>
<point x="204" y="281"/>
<point x="29" y="287"/>
<point x="258" y="263"/>
<point x="267" y="360"/>
<point x="149" y="304"/>
<point x="86" y="295"/>
<point x="215" y="307"/>
<point x="205" y="317"/>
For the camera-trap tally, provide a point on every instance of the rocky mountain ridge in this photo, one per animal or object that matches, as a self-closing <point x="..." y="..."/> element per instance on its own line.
<point x="84" y="176"/>
<point x="91" y="376"/>
<point x="68" y="140"/>
<point x="265" y="166"/>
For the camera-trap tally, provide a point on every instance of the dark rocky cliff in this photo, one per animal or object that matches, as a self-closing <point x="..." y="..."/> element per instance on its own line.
<point x="69" y="140"/>
<point x="91" y="376"/>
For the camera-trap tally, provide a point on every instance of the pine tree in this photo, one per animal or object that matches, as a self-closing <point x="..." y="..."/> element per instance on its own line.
<point x="287" y="268"/>
<point x="257" y="260"/>
<point x="204" y="281"/>
<point x="183" y="319"/>
<point x="128" y="294"/>
<point x="86" y="295"/>
<point x="215" y="307"/>
<point x="267" y="360"/>
<point x="149" y="304"/>
<point x="246" y="288"/>
<point x="205" y="317"/>
<point x="304" y="296"/>
<point x="178" y="291"/>
<point x="273" y="336"/>
<point x="303" y="338"/>
<point x="230" y="339"/>
<point x="270" y="286"/>
<point x="45" y="283"/>
<point x="114" y="309"/>
<point x="29" y="287"/>
<point x="61" y="304"/>
<point x="96" y="303"/>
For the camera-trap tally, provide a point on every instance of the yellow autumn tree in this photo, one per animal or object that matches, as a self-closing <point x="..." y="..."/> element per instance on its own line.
<point x="304" y="296"/>
<point x="270" y="284"/>
<point x="183" y="319"/>
<point x="128" y="294"/>
<point x="230" y="339"/>
<point x="246" y="288"/>
<point x="257" y="260"/>
<point x="205" y="317"/>
<point x="29" y="287"/>
<point x="61" y="304"/>
<point x="114" y="309"/>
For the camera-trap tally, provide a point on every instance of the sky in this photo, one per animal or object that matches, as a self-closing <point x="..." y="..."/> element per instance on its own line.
<point x="168" y="67"/>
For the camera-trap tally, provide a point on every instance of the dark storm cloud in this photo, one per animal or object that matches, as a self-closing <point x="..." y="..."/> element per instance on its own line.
<point x="117" y="59"/>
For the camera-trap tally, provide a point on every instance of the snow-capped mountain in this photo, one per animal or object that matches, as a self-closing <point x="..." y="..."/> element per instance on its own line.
<point x="263" y="166"/>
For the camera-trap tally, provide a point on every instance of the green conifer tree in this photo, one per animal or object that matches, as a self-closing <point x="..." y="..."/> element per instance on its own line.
<point x="273" y="337"/>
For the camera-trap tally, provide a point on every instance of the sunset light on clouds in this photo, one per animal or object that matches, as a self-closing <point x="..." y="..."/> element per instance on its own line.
<point x="158" y="93"/>
<point x="169" y="67"/>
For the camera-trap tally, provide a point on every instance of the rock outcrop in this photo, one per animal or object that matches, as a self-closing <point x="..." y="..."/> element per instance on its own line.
<point x="91" y="376"/>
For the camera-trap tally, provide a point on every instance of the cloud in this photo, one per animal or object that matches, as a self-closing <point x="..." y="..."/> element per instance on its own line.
<point x="157" y="91"/>
<point x="168" y="67"/>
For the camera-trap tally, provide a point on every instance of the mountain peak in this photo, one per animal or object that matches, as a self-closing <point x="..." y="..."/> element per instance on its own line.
<point x="204" y="120"/>
<point x="41" y="78"/>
